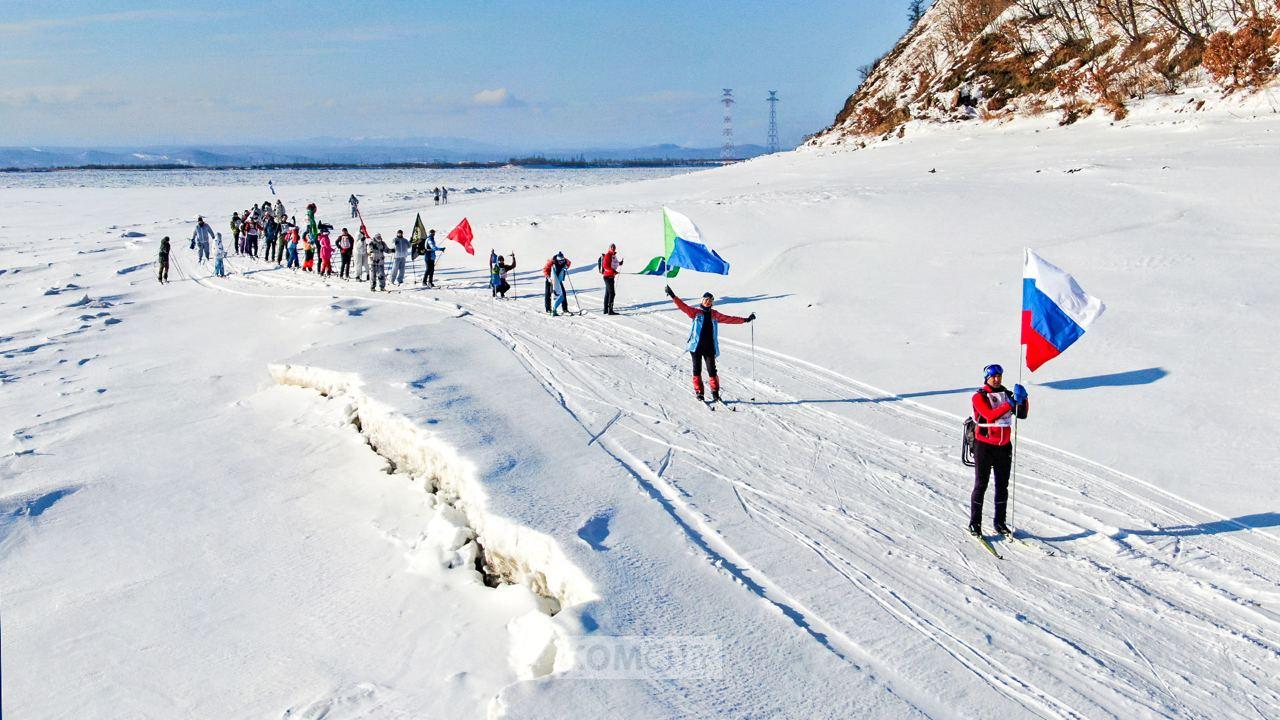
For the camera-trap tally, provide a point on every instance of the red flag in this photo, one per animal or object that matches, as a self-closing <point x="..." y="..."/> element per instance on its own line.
<point x="463" y="236"/>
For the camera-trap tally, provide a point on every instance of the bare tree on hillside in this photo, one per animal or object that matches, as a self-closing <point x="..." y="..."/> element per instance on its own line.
<point x="1035" y="9"/>
<point x="915" y="11"/>
<point x="1124" y="13"/>
<point x="1189" y="18"/>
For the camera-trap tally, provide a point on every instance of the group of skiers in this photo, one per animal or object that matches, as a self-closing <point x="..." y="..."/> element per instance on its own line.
<point x="555" y="275"/>
<point x="994" y="407"/>
<point x="312" y="248"/>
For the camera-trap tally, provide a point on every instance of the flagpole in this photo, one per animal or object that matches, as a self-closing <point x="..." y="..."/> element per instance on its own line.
<point x="1013" y="471"/>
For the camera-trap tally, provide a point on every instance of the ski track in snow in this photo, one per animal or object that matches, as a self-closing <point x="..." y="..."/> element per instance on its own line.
<point x="881" y="503"/>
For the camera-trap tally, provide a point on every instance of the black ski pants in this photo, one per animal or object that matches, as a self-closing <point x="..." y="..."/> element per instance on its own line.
<point x="709" y="359"/>
<point x="546" y="297"/>
<point x="986" y="458"/>
<point x="164" y="269"/>
<point x="429" y="277"/>
<point x="346" y="264"/>
<point x="610" y="293"/>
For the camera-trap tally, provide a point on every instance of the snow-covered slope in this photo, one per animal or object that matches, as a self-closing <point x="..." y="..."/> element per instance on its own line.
<point x="193" y="525"/>
<point x="997" y="60"/>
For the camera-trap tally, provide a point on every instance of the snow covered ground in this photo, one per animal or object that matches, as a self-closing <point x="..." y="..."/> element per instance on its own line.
<point x="262" y="496"/>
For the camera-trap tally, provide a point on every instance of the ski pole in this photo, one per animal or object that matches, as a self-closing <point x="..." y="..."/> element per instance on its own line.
<point x="576" y="301"/>
<point x="753" y="352"/>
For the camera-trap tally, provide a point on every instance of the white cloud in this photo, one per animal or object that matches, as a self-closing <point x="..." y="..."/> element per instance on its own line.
<point x="498" y="97"/>
<point x="39" y="24"/>
<point x="42" y="95"/>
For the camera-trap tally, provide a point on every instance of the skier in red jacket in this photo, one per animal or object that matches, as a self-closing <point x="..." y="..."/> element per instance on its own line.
<point x="609" y="265"/>
<point x="994" y="409"/>
<point x="704" y="339"/>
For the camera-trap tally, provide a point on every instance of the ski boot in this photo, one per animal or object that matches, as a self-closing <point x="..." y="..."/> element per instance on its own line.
<point x="975" y="529"/>
<point x="715" y="396"/>
<point x="1003" y="530"/>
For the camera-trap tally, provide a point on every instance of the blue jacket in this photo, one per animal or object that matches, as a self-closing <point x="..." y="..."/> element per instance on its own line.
<point x="432" y="249"/>
<point x="699" y="317"/>
<point x="695" y="333"/>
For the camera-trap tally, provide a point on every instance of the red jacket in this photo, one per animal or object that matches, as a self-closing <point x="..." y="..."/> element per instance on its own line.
<point x="994" y="408"/>
<point x="606" y="264"/>
<point x="546" y="269"/>
<point x="719" y="317"/>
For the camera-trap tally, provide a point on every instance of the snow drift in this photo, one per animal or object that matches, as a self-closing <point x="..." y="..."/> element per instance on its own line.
<point x="508" y="551"/>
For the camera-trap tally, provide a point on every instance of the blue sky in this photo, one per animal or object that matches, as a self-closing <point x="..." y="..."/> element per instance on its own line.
<point x="520" y="74"/>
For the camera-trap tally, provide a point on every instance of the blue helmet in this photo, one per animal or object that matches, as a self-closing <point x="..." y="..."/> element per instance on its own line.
<point x="992" y="369"/>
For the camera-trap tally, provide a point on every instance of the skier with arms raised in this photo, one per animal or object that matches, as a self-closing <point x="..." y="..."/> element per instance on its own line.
<point x="704" y="340"/>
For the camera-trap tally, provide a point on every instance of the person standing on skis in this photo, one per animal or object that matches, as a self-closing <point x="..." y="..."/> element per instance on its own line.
<point x="200" y="238"/>
<point x="402" y="255"/>
<point x="609" y="265"/>
<point x="236" y="224"/>
<point x="292" y="247"/>
<point x="557" y="271"/>
<point x="355" y="205"/>
<point x="430" y="250"/>
<point x="163" y="261"/>
<point x="362" y="255"/>
<point x="251" y="238"/>
<point x="377" y="262"/>
<point x="326" y="253"/>
<point x="345" y="244"/>
<point x="270" y="232"/>
<point x="704" y="339"/>
<point x="994" y="410"/>
<point x="220" y="258"/>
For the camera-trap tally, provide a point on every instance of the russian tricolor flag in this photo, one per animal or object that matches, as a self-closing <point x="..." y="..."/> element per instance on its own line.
<point x="1055" y="310"/>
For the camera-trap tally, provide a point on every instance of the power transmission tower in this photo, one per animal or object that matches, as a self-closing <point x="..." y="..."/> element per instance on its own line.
<point x="727" y="150"/>
<point x="773" y="121"/>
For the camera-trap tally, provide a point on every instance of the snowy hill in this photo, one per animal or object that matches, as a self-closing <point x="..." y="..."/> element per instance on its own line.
<point x="280" y="495"/>
<point x="994" y="60"/>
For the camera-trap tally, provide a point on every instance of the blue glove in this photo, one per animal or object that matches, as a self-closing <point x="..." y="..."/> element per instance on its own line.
<point x="1019" y="394"/>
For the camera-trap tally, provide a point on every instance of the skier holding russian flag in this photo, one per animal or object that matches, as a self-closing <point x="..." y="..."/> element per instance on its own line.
<point x="994" y="408"/>
<point x="1056" y="311"/>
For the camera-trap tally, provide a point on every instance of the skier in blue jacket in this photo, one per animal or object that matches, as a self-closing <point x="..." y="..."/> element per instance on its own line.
<point x="704" y="338"/>
<point x="431" y="250"/>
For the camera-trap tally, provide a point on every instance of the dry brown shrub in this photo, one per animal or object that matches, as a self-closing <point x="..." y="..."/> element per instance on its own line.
<point x="963" y="20"/>
<point x="1100" y="81"/>
<point x="1244" y="58"/>
<point x="879" y="117"/>
<point x="921" y="85"/>
<point x="1069" y="83"/>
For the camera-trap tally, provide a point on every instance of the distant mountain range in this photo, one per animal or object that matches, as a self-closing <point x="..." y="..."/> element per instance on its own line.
<point x="338" y="151"/>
